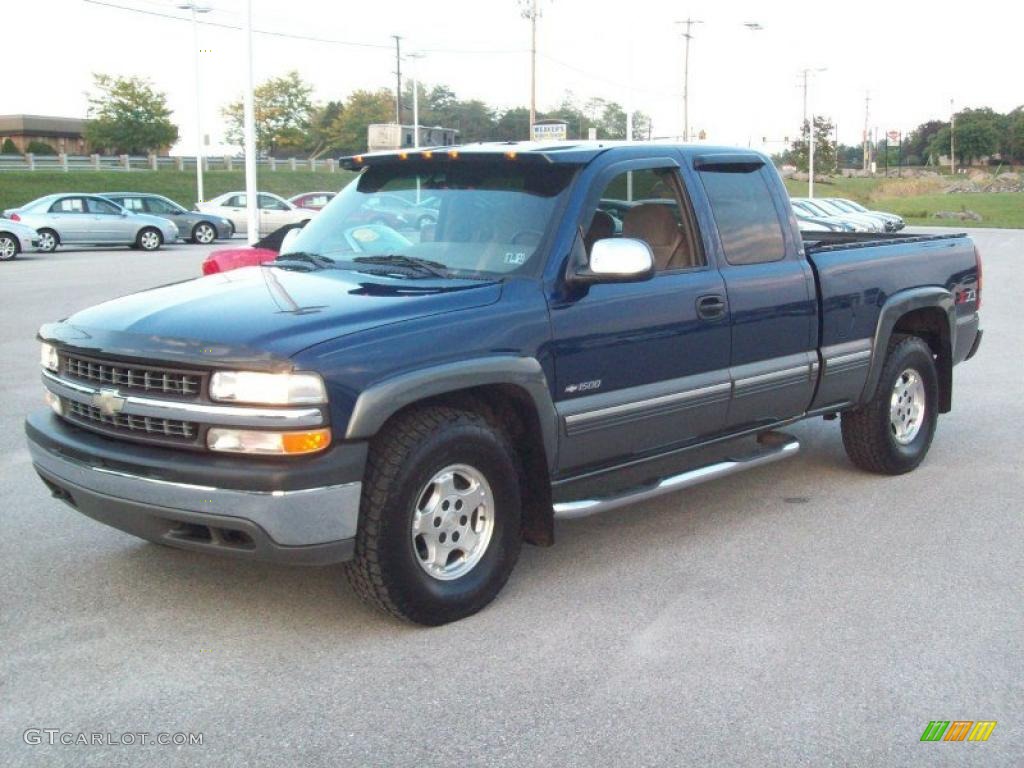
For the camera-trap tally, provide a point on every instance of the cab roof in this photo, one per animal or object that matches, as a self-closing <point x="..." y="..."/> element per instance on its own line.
<point x="562" y="152"/>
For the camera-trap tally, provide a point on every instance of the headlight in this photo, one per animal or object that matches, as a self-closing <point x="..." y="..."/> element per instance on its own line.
<point x="267" y="443"/>
<point x="267" y="388"/>
<point x="48" y="357"/>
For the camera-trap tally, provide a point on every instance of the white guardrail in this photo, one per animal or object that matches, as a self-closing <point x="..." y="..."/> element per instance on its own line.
<point x="32" y="162"/>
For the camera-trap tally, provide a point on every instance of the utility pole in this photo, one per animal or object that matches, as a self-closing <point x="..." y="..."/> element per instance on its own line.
<point x="398" y="83"/>
<point x="952" y="140"/>
<point x="867" y="113"/>
<point x="688" y="34"/>
<point x="530" y="12"/>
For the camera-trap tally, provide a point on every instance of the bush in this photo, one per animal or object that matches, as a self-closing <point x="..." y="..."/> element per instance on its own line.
<point x="8" y="148"/>
<point x="40" y="148"/>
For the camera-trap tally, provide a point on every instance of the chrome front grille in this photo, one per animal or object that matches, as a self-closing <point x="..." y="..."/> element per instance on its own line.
<point x="128" y="424"/>
<point x="162" y="381"/>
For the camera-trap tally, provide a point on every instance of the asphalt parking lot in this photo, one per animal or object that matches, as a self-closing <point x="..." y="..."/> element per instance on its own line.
<point x="805" y="613"/>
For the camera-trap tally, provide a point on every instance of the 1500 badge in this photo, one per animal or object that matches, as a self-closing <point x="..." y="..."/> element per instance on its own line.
<point x="583" y="386"/>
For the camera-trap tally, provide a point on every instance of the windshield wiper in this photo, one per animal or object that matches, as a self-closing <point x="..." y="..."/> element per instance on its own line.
<point x="424" y="266"/>
<point x="315" y="260"/>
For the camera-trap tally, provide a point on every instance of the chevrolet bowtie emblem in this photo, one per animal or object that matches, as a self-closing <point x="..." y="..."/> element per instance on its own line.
<point x="109" y="401"/>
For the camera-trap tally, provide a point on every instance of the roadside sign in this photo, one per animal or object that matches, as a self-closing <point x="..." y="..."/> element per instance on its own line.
<point x="555" y="130"/>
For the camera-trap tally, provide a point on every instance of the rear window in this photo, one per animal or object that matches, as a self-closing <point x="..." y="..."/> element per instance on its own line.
<point x="748" y="224"/>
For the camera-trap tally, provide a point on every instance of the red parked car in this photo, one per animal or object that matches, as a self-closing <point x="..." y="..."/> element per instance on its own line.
<point x="226" y="259"/>
<point x="312" y="200"/>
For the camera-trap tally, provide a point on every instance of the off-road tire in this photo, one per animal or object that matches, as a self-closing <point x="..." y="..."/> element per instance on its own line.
<point x="868" y="434"/>
<point x="403" y="458"/>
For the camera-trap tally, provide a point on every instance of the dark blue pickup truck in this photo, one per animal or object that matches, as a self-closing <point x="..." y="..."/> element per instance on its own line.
<point x="582" y="326"/>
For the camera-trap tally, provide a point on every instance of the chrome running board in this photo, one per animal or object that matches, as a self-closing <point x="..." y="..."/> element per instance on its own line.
<point x="774" y="446"/>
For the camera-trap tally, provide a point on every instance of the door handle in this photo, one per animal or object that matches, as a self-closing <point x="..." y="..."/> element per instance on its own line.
<point x="710" y="307"/>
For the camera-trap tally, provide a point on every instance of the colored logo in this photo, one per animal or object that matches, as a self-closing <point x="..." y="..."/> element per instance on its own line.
<point x="958" y="730"/>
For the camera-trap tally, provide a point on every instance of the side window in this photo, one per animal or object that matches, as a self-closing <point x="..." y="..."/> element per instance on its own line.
<point x="238" y="201"/>
<point x="102" y="206"/>
<point x="132" y="204"/>
<point x="68" y="205"/>
<point x="156" y="205"/>
<point x="648" y="204"/>
<point x="748" y="224"/>
<point x="269" y="203"/>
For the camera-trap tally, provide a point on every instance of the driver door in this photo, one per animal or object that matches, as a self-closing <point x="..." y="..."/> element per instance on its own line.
<point x="641" y="367"/>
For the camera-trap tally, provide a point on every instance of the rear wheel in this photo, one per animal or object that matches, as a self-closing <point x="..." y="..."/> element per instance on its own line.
<point x="8" y="247"/>
<point x="149" y="239"/>
<point x="891" y="434"/>
<point x="203" y="233"/>
<point x="439" y="525"/>
<point x="48" y="240"/>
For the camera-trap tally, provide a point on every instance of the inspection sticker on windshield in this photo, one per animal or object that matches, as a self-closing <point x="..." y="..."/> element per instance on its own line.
<point x="515" y="257"/>
<point x="365" y="235"/>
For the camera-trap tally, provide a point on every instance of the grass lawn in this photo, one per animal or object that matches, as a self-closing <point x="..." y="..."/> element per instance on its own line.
<point x="997" y="209"/>
<point x="19" y="187"/>
<point x="916" y="200"/>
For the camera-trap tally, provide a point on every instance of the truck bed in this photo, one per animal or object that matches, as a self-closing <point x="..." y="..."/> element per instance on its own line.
<point x="819" y="242"/>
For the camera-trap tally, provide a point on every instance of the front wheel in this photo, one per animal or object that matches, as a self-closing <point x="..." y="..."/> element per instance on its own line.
<point x="892" y="432"/>
<point x="439" y="525"/>
<point x="8" y="247"/>
<point x="203" y="233"/>
<point x="149" y="239"/>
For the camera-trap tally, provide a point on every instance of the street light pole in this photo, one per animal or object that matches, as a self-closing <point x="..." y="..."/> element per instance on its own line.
<point x="194" y="8"/>
<point x="809" y="114"/>
<point x="249" y="132"/>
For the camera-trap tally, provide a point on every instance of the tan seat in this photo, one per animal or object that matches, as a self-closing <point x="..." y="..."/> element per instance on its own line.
<point x="655" y="224"/>
<point x="601" y="226"/>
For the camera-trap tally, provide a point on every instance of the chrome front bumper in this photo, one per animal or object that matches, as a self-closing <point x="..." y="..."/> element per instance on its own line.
<point x="308" y="526"/>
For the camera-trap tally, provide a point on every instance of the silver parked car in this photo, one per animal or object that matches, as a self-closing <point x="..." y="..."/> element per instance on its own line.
<point x="274" y="211"/>
<point x="196" y="226"/>
<point x="893" y="222"/>
<point x="74" y="219"/>
<point x="816" y="209"/>
<point x="16" y="238"/>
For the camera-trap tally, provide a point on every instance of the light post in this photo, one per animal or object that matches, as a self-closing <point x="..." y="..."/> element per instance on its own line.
<point x="249" y="132"/>
<point x="810" y="128"/>
<point x="195" y="9"/>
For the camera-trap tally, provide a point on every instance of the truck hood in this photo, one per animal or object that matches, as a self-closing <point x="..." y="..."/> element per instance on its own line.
<point x="259" y="316"/>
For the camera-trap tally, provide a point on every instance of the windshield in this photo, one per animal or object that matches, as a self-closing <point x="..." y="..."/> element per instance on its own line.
<point x="466" y="218"/>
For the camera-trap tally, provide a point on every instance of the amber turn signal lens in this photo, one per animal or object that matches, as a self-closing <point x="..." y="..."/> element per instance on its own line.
<point x="305" y="442"/>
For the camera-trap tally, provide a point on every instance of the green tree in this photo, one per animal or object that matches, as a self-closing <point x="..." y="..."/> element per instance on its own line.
<point x="128" y="116"/>
<point x="8" y="148"/>
<point x="1015" y="135"/>
<point x="361" y="108"/>
<point x="916" y="144"/>
<point x="976" y="136"/>
<point x="824" y="146"/>
<point x="283" y="110"/>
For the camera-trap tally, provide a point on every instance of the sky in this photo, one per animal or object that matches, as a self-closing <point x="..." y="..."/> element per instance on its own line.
<point x="910" y="57"/>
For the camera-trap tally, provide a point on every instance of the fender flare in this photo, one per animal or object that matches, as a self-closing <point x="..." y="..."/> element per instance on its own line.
<point x="897" y="305"/>
<point x="379" y="402"/>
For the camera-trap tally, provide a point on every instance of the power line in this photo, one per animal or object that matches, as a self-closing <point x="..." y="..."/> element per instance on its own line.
<point x="295" y="35"/>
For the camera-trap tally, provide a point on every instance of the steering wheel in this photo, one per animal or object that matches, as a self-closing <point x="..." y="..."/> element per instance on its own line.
<point x="536" y="234"/>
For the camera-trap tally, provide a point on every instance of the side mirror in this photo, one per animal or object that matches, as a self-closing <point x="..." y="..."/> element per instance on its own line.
<point x="614" y="260"/>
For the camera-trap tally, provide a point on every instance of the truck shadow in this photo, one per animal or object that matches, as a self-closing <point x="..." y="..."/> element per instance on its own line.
<point x="267" y="598"/>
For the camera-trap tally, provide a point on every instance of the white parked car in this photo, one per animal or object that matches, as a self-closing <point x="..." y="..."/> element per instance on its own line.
<point x="16" y="238"/>
<point x="274" y="211"/>
<point x="74" y="219"/>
